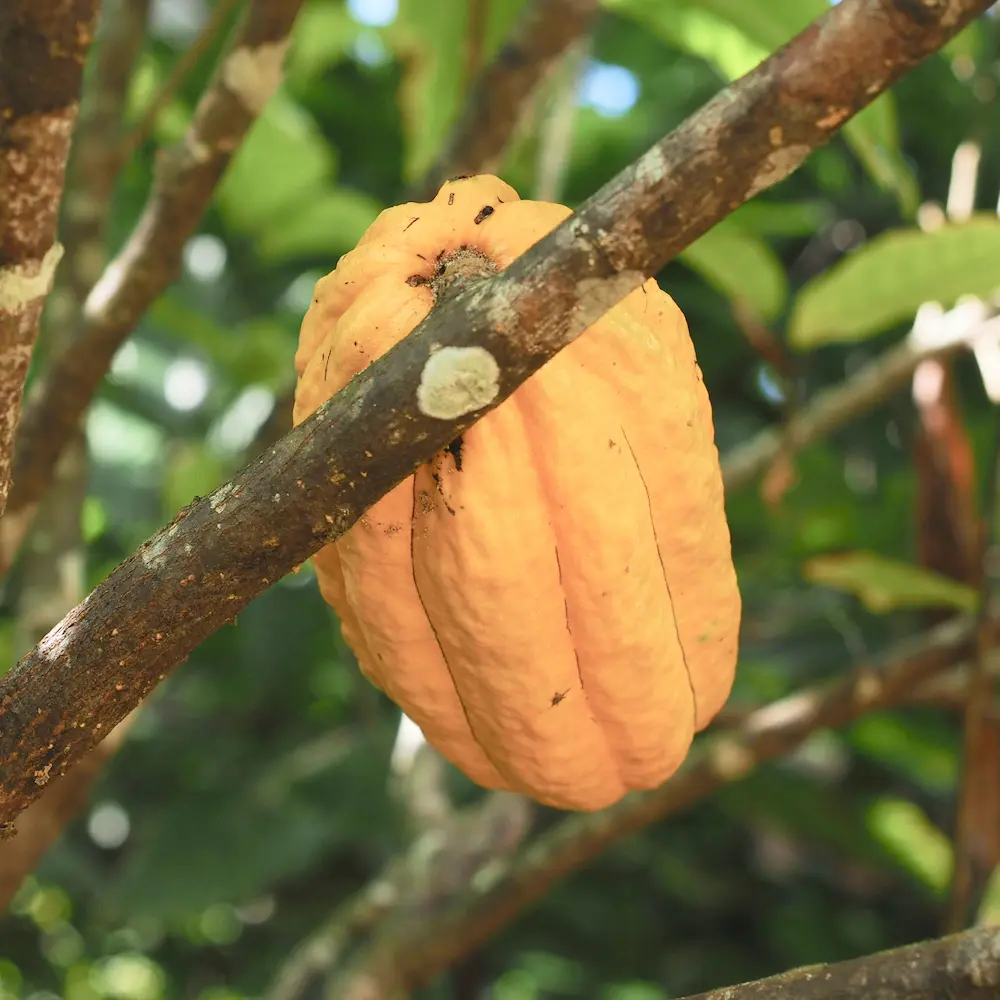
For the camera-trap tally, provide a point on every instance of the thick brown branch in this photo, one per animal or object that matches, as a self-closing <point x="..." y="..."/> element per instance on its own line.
<point x="962" y="967"/>
<point x="41" y="67"/>
<point x="543" y="33"/>
<point x="219" y="553"/>
<point x="186" y="177"/>
<point x="415" y="950"/>
<point x="53" y="578"/>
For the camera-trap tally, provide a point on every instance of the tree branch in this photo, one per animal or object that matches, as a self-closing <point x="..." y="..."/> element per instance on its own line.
<point x="179" y="72"/>
<point x="53" y="576"/>
<point x="545" y="30"/>
<point x="41" y="67"/>
<point x="185" y="180"/>
<point x="933" y="336"/>
<point x="219" y="553"/>
<point x="961" y="967"/>
<point x="411" y="951"/>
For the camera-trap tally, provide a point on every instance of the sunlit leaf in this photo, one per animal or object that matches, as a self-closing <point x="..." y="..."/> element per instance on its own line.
<point x="907" y="748"/>
<point x="281" y="165"/>
<point x="873" y="135"/>
<point x="323" y="35"/>
<point x="905" y="830"/>
<point x="886" y="280"/>
<point x="735" y="35"/>
<point x="331" y="224"/>
<point x="191" y="471"/>
<point x="885" y="585"/>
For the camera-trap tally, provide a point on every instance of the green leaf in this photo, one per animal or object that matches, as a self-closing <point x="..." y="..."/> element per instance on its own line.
<point x="323" y="35"/>
<point x="429" y="35"/>
<point x="905" y="830"/>
<point x="741" y="267"/>
<point x="909" y="747"/>
<point x="232" y="841"/>
<point x="886" y="281"/>
<point x="781" y="218"/>
<point x="331" y="223"/>
<point x="258" y="351"/>
<point x="431" y="38"/>
<point x="768" y="25"/>
<point x="283" y="163"/>
<point x="884" y="584"/>
<point x="735" y="35"/>
<point x="873" y="135"/>
<point x="191" y="470"/>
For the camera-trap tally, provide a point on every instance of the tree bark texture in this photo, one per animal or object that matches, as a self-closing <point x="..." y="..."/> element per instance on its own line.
<point x="42" y="53"/>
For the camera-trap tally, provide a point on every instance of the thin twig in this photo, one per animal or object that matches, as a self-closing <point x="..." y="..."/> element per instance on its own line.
<point x="219" y="553"/>
<point x="41" y="67"/>
<point x="183" y="186"/>
<point x="418" y="948"/>
<point x="542" y="34"/>
<point x="933" y="337"/>
<point x="179" y="72"/>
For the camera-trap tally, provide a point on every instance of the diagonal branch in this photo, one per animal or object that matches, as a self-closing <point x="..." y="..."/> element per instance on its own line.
<point x="43" y="50"/>
<point x="185" y="180"/>
<point x="179" y="72"/>
<point x="220" y="552"/>
<point x="961" y="967"/>
<point x="411" y="951"/>
<point x="545" y="30"/>
<point x="932" y="337"/>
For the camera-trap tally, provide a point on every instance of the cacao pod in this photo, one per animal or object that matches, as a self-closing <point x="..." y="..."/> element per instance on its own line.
<point x="552" y="599"/>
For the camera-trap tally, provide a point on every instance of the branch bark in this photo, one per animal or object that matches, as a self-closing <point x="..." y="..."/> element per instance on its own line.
<point x="53" y="577"/>
<point x="185" y="180"/>
<point x="219" y="553"/>
<point x="545" y="30"/>
<point x="961" y="967"/>
<point x="410" y="951"/>
<point x="41" y="68"/>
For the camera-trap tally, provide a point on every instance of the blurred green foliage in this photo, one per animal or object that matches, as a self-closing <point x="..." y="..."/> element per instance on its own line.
<point x="252" y="797"/>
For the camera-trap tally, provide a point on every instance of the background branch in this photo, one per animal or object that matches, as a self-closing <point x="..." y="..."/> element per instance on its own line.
<point x="41" y="67"/>
<point x="935" y="335"/>
<point x="107" y="654"/>
<point x="182" y="67"/>
<point x="407" y="952"/>
<point x="545" y="30"/>
<point x="183" y="186"/>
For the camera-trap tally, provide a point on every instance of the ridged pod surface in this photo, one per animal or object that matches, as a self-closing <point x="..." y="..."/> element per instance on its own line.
<point x="552" y="599"/>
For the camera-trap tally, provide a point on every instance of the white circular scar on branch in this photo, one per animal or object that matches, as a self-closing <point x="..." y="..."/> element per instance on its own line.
<point x="456" y="381"/>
